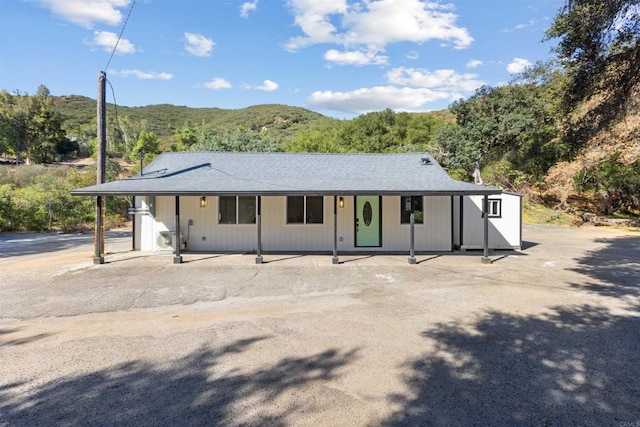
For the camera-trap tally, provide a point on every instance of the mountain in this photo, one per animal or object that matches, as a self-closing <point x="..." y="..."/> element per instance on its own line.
<point x="281" y="121"/>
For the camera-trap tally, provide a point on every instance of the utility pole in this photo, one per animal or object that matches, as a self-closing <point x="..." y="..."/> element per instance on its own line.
<point x="101" y="168"/>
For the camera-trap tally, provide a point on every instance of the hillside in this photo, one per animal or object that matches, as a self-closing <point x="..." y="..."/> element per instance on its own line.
<point x="281" y="121"/>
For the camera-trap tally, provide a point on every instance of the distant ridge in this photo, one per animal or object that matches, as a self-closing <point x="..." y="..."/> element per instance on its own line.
<point x="163" y="119"/>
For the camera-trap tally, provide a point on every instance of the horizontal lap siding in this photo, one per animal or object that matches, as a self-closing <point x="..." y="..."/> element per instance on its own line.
<point x="164" y="217"/>
<point x="433" y="235"/>
<point x="207" y="235"/>
<point x="277" y="235"/>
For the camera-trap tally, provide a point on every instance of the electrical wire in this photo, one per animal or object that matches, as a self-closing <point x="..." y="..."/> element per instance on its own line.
<point x="120" y="36"/>
<point x="115" y="106"/>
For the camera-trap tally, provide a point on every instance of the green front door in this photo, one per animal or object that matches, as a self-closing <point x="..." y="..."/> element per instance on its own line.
<point x="368" y="221"/>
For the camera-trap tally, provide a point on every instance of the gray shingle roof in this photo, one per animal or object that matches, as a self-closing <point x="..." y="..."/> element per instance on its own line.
<point x="289" y="173"/>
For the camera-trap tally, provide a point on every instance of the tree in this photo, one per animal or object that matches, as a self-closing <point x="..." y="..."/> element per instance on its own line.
<point x="148" y="144"/>
<point x="46" y="127"/>
<point x="30" y="124"/>
<point x="599" y="46"/>
<point x="514" y="123"/>
<point x="236" y="140"/>
<point x="319" y="137"/>
<point x="186" y="136"/>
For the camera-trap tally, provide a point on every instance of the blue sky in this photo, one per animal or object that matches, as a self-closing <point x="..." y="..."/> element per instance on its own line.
<point x="338" y="57"/>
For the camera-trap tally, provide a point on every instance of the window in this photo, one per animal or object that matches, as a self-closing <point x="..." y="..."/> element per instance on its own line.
<point x="405" y="210"/>
<point x="246" y="210"/>
<point x="243" y="206"/>
<point x="305" y="210"/>
<point x="495" y="208"/>
<point x="227" y="210"/>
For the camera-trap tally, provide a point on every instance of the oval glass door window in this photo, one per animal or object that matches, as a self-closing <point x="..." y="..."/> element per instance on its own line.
<point x="367" y="214"/>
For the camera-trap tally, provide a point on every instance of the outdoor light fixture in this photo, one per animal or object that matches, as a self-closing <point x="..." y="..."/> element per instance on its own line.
<point x="203" y="201"/>
<point x="341" y="202"/>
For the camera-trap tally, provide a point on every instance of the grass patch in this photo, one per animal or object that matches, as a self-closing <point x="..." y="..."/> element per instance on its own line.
<point x="535" y="213"/>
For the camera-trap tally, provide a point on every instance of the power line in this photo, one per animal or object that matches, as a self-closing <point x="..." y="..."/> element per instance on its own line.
<point x="115" y="105"/>
<point x="120" y="36"/>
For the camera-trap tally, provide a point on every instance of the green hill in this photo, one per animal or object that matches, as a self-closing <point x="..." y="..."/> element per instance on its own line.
<point x="281" y="122"/>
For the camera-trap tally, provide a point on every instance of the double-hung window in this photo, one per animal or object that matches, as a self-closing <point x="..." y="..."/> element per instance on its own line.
<point x="305" y="210"/>
<point x="405" y="210"/>
<point x="236" y="210"/>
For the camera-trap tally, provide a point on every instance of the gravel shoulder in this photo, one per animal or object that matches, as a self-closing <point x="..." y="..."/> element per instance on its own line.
<point x="547" y="335"/>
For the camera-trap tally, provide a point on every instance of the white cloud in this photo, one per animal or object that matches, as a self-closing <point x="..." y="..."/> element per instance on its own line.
<point x="247" y="7"/>
<point x="474" y="63"/>
<point x="409" y="89"/>
<point x="530" y="23"/>
<point x="217" y="83"/>
<point x="142" y="75"/>
<point x="355" y="58"/>
<point x="376" y="23"/>
<point x="413" y="55"/>
<point x="313" y="18"/>
<point x="107" y="40"/>
<point x="518" y="65"/>
<point x="268" y="86"/>
<point x="198" y="45"/>
<point x="375" y="99"/>
<point x="86" y="13"/>
<point x="442" y="80"/>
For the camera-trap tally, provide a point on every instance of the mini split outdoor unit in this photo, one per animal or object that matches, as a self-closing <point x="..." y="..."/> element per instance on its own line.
<point x="166" y="238"/>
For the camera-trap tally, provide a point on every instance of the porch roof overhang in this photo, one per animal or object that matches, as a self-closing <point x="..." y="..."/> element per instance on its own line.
<point x="282" y="174"/>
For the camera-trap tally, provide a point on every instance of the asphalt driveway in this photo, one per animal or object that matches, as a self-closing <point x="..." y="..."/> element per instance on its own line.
<point x="545" y="336"/>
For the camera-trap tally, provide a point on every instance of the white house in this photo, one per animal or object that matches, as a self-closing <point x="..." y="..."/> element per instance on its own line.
<point x="298" y="202"/>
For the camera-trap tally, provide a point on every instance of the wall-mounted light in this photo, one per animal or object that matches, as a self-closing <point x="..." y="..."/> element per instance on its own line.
<point x="203" y="201"/>
<point x="341" y="202"/>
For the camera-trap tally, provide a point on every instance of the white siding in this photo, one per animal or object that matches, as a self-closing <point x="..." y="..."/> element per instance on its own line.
<point x="277" y="235"/>
<point x="433" y="235"/>
<point x="164" y="218"/>
<point x="504" y="232"/>
<point x="205" y="234"/>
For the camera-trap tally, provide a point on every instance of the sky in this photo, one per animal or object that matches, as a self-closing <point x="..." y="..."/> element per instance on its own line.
<point x="341" y="58"/>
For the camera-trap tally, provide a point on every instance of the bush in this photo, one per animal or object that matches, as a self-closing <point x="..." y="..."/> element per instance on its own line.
<point x="37" y="198"/>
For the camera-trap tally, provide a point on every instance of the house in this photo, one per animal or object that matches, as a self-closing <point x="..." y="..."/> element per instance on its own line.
<point x="300" y="202"/>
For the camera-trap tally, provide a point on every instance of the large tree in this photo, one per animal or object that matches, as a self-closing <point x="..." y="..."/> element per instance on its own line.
<point x="30" y="124"/>
<point x="514" y="124"/>
<point x="599" y="47"/>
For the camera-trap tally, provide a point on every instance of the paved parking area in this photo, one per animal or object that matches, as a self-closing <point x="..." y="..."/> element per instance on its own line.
<point x="545" y="336"/>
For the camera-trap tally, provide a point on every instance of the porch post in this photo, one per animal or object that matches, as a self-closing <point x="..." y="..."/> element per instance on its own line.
<point x="133" y="225"/>
<point x="259" y="227"/>
<point x="335" y="259"/>
<point x="98" y="234"/>
<point x="177" y="258"/>
<point x="485" y="215"/>
<point x="412" y="221"/>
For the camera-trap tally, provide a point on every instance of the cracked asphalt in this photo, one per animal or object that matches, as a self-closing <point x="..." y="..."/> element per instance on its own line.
<point x="544" y="336"/>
